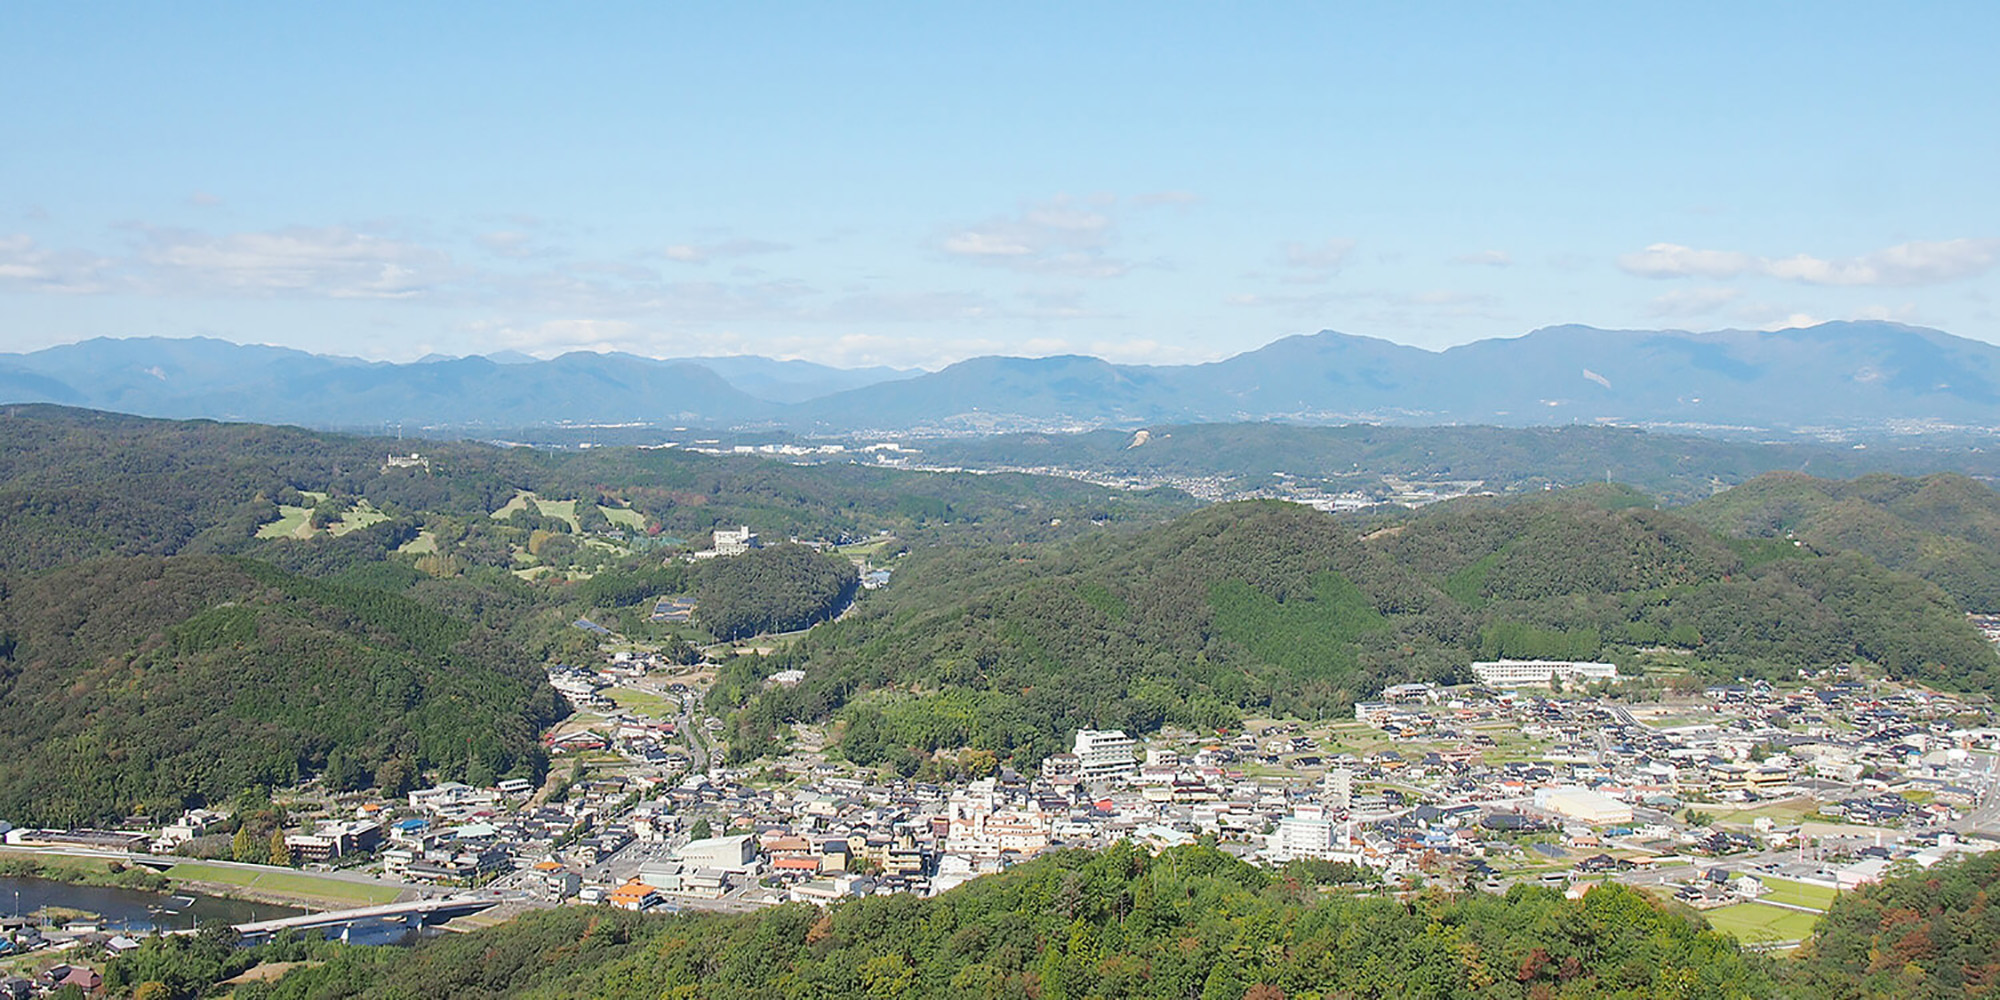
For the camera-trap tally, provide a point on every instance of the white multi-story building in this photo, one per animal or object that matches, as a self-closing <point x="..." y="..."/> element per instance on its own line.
<point x="1104" y="753"/>
<point x="1538" y="673"/>
<point x="735" y="541"/>
<point x="1338" y="788"/>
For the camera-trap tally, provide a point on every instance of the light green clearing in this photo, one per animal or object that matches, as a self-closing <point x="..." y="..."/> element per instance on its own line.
<point x="1817" y="897"/>
<point x="315" y="496"/>
<point x="288" y="524"/>
<point x="531" y="572"/>
<point x="1784" y="813"/>
<point x="361" y="515"/>
<point x="565" y="509"/>
<point x="1757" y="922"/>
<point x="520" y="502"/>
<point x="651" y="706"/>
<point x="288" y="882"/>
<point x="424" y="544"/>
<point x="624" y="515"/>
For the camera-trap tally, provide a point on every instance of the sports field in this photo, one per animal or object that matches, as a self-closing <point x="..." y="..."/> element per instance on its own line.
<point x="288" y="883"/>
<point x="1752" y="922"/>
<point x="1817" y="897"/>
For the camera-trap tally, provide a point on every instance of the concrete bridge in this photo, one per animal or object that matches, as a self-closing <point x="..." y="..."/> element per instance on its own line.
<point x="414" y="913"/>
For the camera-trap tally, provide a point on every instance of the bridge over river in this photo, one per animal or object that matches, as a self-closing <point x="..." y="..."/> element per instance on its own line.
<point x="413" y="914"/>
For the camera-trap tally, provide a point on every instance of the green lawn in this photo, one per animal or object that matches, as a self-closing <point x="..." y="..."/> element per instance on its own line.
<point x="649" y="705"/>
<point x="565" y="509"/>
<point x="424" y="544"/>
<point x="520" y="502"/>
<point x="289" y="882"/>
<point x="361" y="515"/>
<point x="624" y="515"/>
<point x="1797" y="893"/>
<point x="290" y="520"/>
<point x="1757" y="922"/>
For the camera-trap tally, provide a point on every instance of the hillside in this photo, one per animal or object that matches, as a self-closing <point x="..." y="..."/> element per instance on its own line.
<point x="1944" y="528"/>
<point x="1191" y="922"/>
<point x="78" y="483"/>
<point x="152" y="684"/>
<point x="1274" y="609"/>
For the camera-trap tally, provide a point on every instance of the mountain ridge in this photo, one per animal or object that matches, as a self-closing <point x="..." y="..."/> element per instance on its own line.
<point x="1885" y="377"/>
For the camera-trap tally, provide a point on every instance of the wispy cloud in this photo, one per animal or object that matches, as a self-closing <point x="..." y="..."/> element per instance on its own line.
<point x="1060" y="236"/>
<point x="28" y="266"/>
<point x="1914" y="263"/>
<point x="702" y="253"/>
<point x="1485" y="258"/>
<point x="330" y="262"/>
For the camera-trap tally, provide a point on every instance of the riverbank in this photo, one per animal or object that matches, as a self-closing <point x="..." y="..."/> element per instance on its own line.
<point x="250" y="883"/>
<point x="279" y="885"/>
<point x="81" y="871"/>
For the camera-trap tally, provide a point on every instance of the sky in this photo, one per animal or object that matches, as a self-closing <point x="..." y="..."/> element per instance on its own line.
<point x="914" y="184"/>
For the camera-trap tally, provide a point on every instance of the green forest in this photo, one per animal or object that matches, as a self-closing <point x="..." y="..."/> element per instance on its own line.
<point x="1189" y="922"/>
<point x="1276" y="610"/>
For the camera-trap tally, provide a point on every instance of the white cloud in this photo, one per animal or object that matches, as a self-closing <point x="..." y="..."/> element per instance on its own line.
<point x="1914" y="263"/>
<point x="507" y="243"/>
<point x="702" y="253"/>
<point x="26" y="265"/>
<point x="1059" y="236"/>
<point x="1485" y="258"/>
<point x="1692" y="301"/>
<point x="334" y="262"/>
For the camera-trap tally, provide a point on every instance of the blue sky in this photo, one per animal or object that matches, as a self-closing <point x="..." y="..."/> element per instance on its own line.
<point x="916" y="184"/>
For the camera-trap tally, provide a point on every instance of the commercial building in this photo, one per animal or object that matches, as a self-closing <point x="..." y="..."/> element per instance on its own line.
<point x="1104" y="753"/>
<point x="1539" y="673"/>
<point x="738" y="853"/>
<point x="1583" y="805"/>
<point x="735" y="541"/>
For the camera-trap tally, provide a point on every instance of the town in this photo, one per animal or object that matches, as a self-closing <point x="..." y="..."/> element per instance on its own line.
<point x="1754" y="802"/>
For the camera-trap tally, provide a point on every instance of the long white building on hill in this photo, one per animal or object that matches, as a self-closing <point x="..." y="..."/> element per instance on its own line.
<point x="1538" y="673"/>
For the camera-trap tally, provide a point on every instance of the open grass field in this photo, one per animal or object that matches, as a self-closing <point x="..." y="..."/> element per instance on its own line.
<point x="424" y="544"/>
<point x="1756" y="922"/>
<point x="520" y="502"/>
<point x="1798" y="893"/>
<point x="651" y="706"/>
<point x="361" y="515"/>
<point x="565" y="509"/>
<point x="1784" y="813"/>
<point x="289" y="883"/>
<point x="290" y="522"/>
<point x="624" y="516"/>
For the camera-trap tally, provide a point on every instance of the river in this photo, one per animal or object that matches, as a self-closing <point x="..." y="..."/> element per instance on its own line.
<point x="132" y="909"/>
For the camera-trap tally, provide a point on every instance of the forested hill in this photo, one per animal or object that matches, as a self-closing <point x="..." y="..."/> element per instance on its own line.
<point x="80" y="483"/>
<point x="1943" y="527"/>
<point x="149" y="684"/>
<point x="1275" y="609"/>
<point x="1191" y="922"/>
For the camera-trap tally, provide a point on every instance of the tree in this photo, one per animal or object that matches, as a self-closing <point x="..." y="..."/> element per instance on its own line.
<point x="247" y="849"/>
<point x="701" y="830"/>
<point x="281" y="852"/>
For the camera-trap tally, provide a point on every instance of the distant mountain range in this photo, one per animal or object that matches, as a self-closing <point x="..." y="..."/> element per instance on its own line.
<point x="1854" y="376"/>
